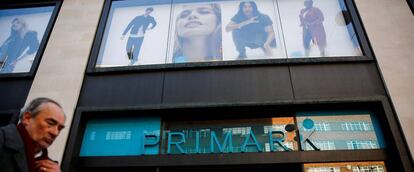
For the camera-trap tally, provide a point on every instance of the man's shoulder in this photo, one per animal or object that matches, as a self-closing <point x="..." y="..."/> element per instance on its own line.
<point x="151" y="18"/>
<point x="8" y="128"/>
<point x="316" y="9"/>
<point x="138" y="17"/>
<point x="10" y="137"/>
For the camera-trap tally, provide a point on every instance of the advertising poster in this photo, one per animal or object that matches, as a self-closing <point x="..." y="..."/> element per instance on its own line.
<point x="251" y="30"/>
<point x="316" y="28"/>
<point x="136" y="33"/>
<point x="21" y="31"/>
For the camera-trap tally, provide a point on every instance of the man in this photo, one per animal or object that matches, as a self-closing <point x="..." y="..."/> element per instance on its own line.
<point x="252" y="29"/>
<point x="40" y="123"/>
<point x="138" y="26"/>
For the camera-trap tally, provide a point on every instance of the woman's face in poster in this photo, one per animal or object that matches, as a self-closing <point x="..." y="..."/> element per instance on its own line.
<point x="196" y="20"/>
<point x="17" y="25"/>
<point x="247" y="9"/>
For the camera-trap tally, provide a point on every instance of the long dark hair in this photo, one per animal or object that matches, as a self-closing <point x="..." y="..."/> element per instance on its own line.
<point x="241" y="5"/>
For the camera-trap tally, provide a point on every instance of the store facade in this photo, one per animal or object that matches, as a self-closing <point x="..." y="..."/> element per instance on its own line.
<point x="231" y="85"/>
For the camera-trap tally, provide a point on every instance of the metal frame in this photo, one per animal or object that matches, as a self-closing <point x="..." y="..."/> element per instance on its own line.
<point x="43" y="41"/>
<point x="411" y="5"/>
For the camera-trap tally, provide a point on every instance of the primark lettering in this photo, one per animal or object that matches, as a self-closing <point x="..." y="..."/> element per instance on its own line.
<point x="178" y="139"/>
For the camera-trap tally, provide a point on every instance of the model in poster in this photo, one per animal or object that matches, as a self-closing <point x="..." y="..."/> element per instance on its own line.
<point x="198" y="34"/>
<point x="311" y="20"/>
<point x="21" y="43"/>
<point x="138" y="26"/>
<point x="252" y="29"/>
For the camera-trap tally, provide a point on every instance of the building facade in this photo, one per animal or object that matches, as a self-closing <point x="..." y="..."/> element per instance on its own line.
<point x="196" y="85"/>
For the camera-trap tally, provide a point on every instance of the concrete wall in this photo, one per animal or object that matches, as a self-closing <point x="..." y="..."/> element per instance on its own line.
<point x="390" y="28"/>
<point x="61" y="70"/>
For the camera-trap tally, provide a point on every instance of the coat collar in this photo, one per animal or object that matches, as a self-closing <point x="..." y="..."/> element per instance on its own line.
<point x="13" y="138"/>
<point x="14" y="142"/>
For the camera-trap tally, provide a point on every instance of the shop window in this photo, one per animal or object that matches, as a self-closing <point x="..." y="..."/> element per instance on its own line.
<point x="323" y="169"/>
<point x="185" y="31"/>
<point x="362" y="144"/>
<point x="356" y="126"/>
<point x="375" y="166"/>
<point x="21" y="33"/>
<point x="321" y="144"/>
<point x="119" y="137"/>
<point x="324" y="29"/>
<point x="154" y="136"/>
<point x="136" y="33"/>
<point x="372" y="168"/>
<point x="315" y="136"/>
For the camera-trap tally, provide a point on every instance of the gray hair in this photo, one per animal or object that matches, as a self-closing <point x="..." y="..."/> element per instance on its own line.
<point x="34" y="106"/>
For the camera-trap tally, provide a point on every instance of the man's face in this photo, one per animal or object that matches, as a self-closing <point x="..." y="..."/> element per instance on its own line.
<point x="148" y="12"/>
<point x="308" y="3"/>
<point x="46" y="125"/>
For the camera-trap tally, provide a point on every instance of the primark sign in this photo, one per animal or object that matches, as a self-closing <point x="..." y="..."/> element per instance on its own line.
<point x="214" y="142"/>
<point x="144" y="137"/>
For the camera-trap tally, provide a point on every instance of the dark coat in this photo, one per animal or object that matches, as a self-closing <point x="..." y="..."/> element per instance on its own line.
<point x="139" y="21"/>
<point x="12" y="152"/>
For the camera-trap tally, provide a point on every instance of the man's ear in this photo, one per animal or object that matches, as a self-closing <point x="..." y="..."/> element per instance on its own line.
<point x="26" y="118"/>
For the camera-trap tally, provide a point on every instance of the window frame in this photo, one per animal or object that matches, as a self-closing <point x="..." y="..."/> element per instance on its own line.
<point x="42" y="41"/>
<point x="93" y="57"/>
<point x="411" y="5"/>
<point x="72" y="160"/>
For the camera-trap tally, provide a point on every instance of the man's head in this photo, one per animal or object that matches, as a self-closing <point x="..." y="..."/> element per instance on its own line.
<point x="149" y="10"/>
<point x="43" y="119"/>
<point x="308" y="3"/>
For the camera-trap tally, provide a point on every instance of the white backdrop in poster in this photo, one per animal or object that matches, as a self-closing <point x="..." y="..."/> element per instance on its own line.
<point x="338" y="41"/>
<point x="154" y="46"/>
<point x="36" y="22"/>
<point x="229" y="9"/>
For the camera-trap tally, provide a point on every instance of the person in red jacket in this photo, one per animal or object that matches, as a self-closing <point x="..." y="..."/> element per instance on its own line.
<point x="311" y="20"/>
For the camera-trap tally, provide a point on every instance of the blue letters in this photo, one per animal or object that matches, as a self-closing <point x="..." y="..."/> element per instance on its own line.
<point x="255" y="143"/>
<point x="227" y="139"/>
<point x="170" y="142"/>
<point x="276" y="140"/>
<point x="150" y="142"/>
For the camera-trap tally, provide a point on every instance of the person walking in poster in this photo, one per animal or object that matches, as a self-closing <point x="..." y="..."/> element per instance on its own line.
<point x="252" y="29"/>
<point x="311" y="19"/>
<point x="138" y="26"/>
<point x="198" y="34"/>
<point x="21" y="43"/>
